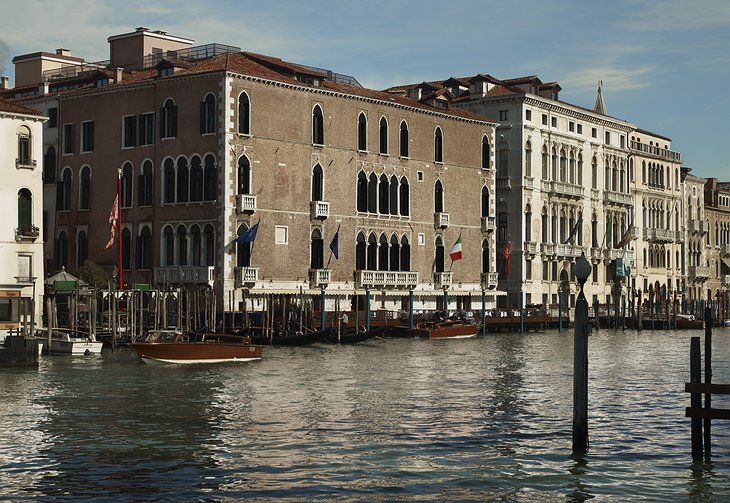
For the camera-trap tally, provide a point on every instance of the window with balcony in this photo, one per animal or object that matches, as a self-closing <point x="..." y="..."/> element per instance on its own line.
<point x="168" y="246"/>
<point x="383" y="136"/>
<point x="438" y="146"/>
<point x="207" y="114"/>
<point x="394" y="253"/>
<point x="438" y="197"/>
<point x="196" y="179"/>
<point x="317" y="125"/>
<point x="127" y="177"/>
<point x="485" y="255"/>
<point x="316" y="250"/>
<point x="82" y="248"/>
<point x="209" y="236"/>
<point x="372" y="253"/>
<point x="404" y="139"/>
<point x="405" y="254"/>
<point x="168" y="119"/>
<point x="404" y="197"/>
<point x="24" y="148"/>
<point x="485" y="201"/>
<point x="182" y="245"/>
<point x="439" y="255"/>
<point x="243" y="250"/>
<point x="383" y="253"/>
<point x="244" y="114"/>
<point x="244" y="175"/>
<point x="183" y="180"/>
<point x="196" y="246"/>
<point x="85" y="188"/>
<point x="360" y="252"/>
<point x="25" y="212"/>
<point x="317" y="184"/>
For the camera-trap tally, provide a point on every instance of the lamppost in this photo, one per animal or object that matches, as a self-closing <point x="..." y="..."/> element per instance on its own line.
<point x="581" y="331"/>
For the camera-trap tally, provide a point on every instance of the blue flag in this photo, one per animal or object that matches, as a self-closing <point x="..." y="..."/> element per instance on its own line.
<point x="335" y="244"/>
<point x="249" y="234"/>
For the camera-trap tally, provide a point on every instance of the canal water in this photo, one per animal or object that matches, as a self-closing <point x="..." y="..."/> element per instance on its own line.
<point x="390" y="420"/>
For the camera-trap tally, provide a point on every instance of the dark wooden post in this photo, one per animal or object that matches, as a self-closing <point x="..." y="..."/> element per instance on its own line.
<point x="581" y="331"/>
<point x="638" y="311"/>
<point x="695" y="376"/>
<point x="708" y="374"/>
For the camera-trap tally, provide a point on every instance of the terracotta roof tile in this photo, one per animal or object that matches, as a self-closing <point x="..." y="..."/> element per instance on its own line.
<point x="6" y="106"/>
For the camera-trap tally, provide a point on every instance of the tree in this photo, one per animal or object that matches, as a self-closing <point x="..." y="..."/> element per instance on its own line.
<point x="93" y="274"/>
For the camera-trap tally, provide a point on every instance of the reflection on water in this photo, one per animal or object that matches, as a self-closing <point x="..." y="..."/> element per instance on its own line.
<point x="399" y="419"/>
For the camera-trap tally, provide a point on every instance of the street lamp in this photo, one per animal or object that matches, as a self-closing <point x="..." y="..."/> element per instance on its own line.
<point x="581" y="331"/>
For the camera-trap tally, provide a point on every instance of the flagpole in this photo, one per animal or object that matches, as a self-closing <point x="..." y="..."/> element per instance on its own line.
<point x="119" y="223"/>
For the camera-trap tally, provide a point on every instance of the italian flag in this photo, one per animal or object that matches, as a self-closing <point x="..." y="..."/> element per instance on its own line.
<point x="455" y="252"/>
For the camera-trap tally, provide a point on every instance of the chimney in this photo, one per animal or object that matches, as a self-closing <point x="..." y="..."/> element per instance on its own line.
<point x="43" y="88"/>
<point x="63" y="52"/>
<point x="118" y="72"/>
<point x="4" y="82"/>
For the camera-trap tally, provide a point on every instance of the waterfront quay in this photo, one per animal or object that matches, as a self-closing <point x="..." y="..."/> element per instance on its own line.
<point x="483" y="419"/>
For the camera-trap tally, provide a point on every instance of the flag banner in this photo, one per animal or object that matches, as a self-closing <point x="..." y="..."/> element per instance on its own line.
<point x="506" y="255"/>
<point x="626" y="239"/>
<point x="574" y="232"/>
<point x="335" y="244"/>
<point x="608" y="237"/>
<point x="113" y="217"/>
<point x="249" y="235"/>
<point x="455" y="252"/>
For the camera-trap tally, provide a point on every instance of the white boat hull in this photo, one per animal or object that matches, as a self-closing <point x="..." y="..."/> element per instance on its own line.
<point x="74" y="346"/>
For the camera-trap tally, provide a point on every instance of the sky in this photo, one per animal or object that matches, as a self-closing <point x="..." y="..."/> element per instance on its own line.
<point x="665" y="64"/>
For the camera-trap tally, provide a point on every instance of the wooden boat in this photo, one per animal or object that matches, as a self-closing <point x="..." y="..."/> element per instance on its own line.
<point x="175" y="347"/>
<point x="289" y="340"/>
<point x="448" y="329"/>
<point x="688" y="321"/>
<point x="352" y="337"/>
<point x="71" y="344"/>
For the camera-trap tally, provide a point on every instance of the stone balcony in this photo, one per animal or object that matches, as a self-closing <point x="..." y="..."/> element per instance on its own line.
<point x="595" y="254"/>
<point x="530" y="249"/>
<point x="698" y="271"/>
<point x="528" y="182"/>
<point x="698" y="226"/>
<point x="489" y="280"/>
<point x="547" y="249"/>
<point x="27" y="234"/>
<point x="614" y="253"/>
<point x="440" y="220"/>
<point x="185" y="275"/>
<point x="386" y="279"/>
<point x="319" y="277"/>
<point x="659" y="235"/>
<point x="725" y="250"/>
<point x="567" y="189"/>
<point x="319" y="210"/>
<point x="442" y="279"/>
<point x="503" y="183"/>
<point x="246" y="276"/>
<point x="568" y="250"/>
<point x="488" y="224"/>
<point x="245" y="203"/>
<point x="614" y="197"/>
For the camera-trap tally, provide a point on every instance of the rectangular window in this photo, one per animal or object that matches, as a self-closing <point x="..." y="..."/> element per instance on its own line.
<point x="528" y="115"/>
<point x="147" y="129"/>
<point x="571" y="126"/>
<point x="53" y="117"/>
<point x="544" y="119"/>
<point x="421" y="239"/>
<point x="594" y="132"/>
<point x="608" y="137"/>
<point x="129" y="131"/>
<point x="623" y="141"/>
<point x="580" y="128"/>
<point x="281" y="234"/>
<point x="528" y="269"/>
<point x="68" y="138"/>
<point x="503" y="115"/>
<point x="554" y="121"/>
<point x="545" y="271"/>
<point x="555" y="270"/>
<point x="87" y="136"/>
<point x="24" y="268"/>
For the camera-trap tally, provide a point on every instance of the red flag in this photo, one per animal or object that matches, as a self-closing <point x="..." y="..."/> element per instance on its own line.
<point x="113" y="217"/>
<point x="506" y="255"/>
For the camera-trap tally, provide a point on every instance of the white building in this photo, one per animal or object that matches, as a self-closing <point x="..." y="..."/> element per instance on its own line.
<point x="21" y="204"/>
<point x="696" y="237"/>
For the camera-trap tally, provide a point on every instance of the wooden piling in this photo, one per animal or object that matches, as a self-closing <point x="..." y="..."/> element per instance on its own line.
<point x="695" y="376"/>
<point x="708" y="376"/>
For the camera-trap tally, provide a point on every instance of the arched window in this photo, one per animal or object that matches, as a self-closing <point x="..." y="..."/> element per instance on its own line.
<point x="394" y="253"/>
<point x="196" y="251"/>
<point x="580" y="169"/>
<point x="373" y="193"/>
<point x="372" y="254"/>
<point x="439" y="255"/>
<point x="384" y="194"/>
<point x="403" y="139"/>
<point x="571" y="167"/>
<point x="544" y="222"/>
<point x="207" y="114"/>
<point x="49" y="165"/>
<point x="383" y="135"/>
<point x="144" y="249"/>
<point x="438" y="146"/>
<point x="485" y="201"/>
<point x="182" y="245"/>
<point x="393" y="202"/>
<point x="63" y="191"/>
<point x="82" y="248"/>
<point x="405" y="254"/>
<point x="126" y="249"/>
<point x="563" y="166"/>
<point x="528" y="223"/>
<point x="317" y="125"/>
<point x="145" y="184"/>
<point x="168" y="119"/>
<point x="485" y="152"/>
<point x="545" y="166"/>
<point x="183" y="179"/>
<point x="485" y="255"/>
<point x="24" y="150"/>
<point x="25" y="211"/>
<point x="383" y="253"/>
<point x="528" y="159"/>
<point x="62" y="250"/>
<point x="244" y="175"/>
<point x="362" y="192"/>
<point x="168" y="175"/>
<point x="244" y="114"/>
<point x="209" y="233"/>
<point x="210" y="178"/>
<point x="362" y="132"/>
<point x="594" y="173"/>
<point x="243" y="250"/>
<point x="85" y="188"/>
<point x="438" y="197"/>
<point x="360" y="262"/>
<point x="404" y="197"/>
<point x="317" y="183"/>
<point x="168" y="245"/>
<point x="127" y="174"/>
<point x="316" y="250"/>
<point x="196" y="178"/>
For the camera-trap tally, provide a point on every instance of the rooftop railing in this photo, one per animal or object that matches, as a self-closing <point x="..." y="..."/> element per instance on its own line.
<point x="189" y="54"/>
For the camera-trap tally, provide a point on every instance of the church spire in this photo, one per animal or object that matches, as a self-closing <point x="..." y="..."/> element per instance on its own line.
<point x="600" y="106"/>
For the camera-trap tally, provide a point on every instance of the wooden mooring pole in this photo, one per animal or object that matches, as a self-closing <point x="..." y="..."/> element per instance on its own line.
<point x="695" y="376"/>
<point x="708" y="375"/>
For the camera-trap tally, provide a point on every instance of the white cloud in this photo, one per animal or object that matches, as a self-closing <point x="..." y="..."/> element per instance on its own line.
<point x="617" y="78"/>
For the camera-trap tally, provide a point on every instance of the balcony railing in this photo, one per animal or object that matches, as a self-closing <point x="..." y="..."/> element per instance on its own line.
<point x="530" y="248"/>
<point x="185" y="274"/>
<point x="596" y="254"/>
<point x="654" y="150"/>
<point x="25" y="163"/>
<point x="547" y="248"/>
<point x="246" y="203"/>
<point x="698" y="226"/>
<point x="246" y="276"/>
<point x="699" y="271"/>
<point x="611" y="196"/>
<point x="503" y="182"/>
<point x="659" y="235"/>
<point x="319" y="277"/>
<point x="27" y="234"/>
<point x="442" y="279"/>
<point x="614" y="253"/>
<point x="319" y="210"/>
<point x="388" y="279"/>
<point x="488" y="224"/>
<point x="440" y="220"/>
<point x="566" y="189"/>
<point x="529" y="183"/>
<point x="490" y="280"/>
<point x="567" y="250"/>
